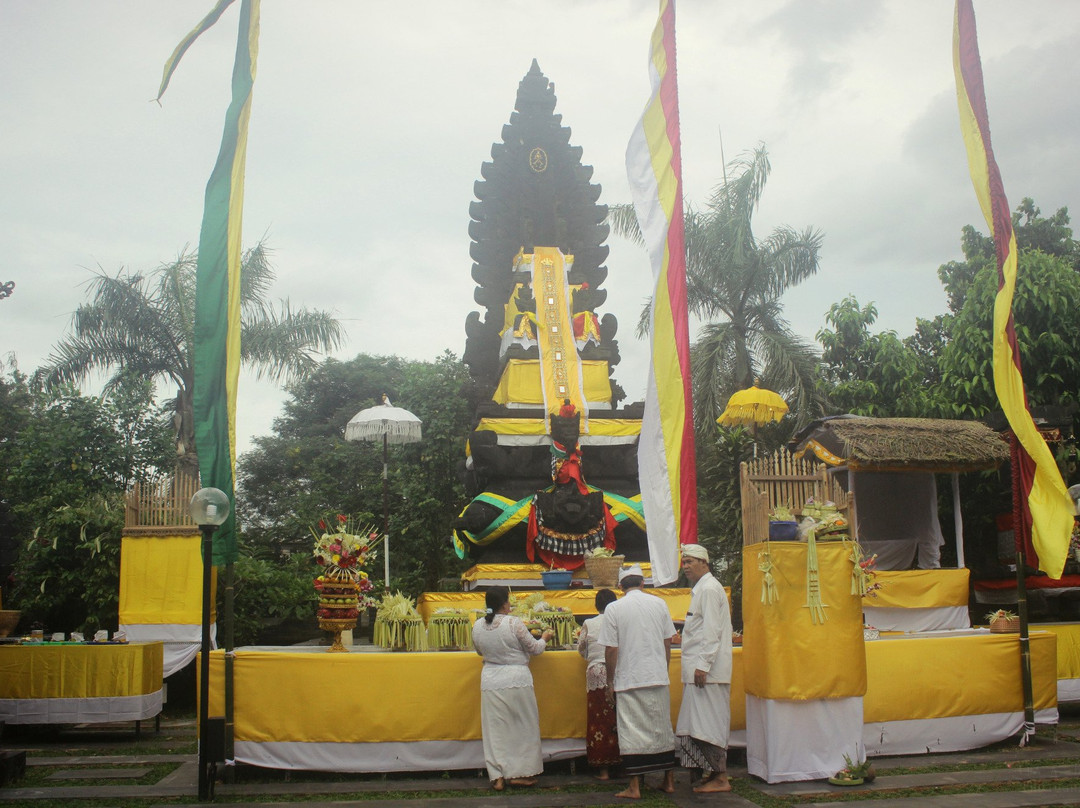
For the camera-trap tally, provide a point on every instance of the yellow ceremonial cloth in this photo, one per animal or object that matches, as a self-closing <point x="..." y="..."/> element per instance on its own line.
<point x="382" y="697"/>
<point x="599" y="427"/>
<point x="936" y="677"/>
<point x="161" y="580"/>
<point x="520" y="382"/>
<point x="1068" y="647"/>
<point x="579" y="601"/>
<point x="518" y="572"/>
<point x="786" y="655"/>
<point x="920" y="589"/>
<point x="61" y="671"/>
<point x="560" y="369"/>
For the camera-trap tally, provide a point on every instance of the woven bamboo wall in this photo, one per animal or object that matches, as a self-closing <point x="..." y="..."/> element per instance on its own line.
<point x="780" y="479"/>
<point x="161" y="502"/>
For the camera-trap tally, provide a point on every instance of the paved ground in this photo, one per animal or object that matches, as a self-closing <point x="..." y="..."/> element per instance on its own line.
<point x="103" y="763"/>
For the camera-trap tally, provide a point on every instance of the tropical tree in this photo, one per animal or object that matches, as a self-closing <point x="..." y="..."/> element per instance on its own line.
<point x="870" y="374"/>
<point x="735" y="283"/>
<point x="143" y="323"/>
<point x="68" y="459"/>
<point x="307" y="470"/>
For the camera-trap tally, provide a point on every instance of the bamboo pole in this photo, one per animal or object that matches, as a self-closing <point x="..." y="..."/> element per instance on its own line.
<point x="1020" y="537"/>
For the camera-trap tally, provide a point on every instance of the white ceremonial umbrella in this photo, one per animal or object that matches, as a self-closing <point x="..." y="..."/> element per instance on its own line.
<point x="392" y="425"/>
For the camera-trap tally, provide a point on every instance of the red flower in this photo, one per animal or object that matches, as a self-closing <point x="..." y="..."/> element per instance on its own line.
<point x="322" y="525"/>
<point x="341" y="518"/>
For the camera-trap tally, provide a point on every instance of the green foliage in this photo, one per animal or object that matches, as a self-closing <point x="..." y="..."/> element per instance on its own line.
<point x="269" y="591"/>
<point x="1044" y="309"/>
<point x="67" y="461"/>
<point x="307" y="469"/>
<point x="144" y="324"/>
<point x="872" y="374"/>
<point x="719" y="495"/>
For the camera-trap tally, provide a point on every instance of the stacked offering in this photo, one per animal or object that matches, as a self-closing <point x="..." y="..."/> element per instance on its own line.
<point x="337" y="598"/>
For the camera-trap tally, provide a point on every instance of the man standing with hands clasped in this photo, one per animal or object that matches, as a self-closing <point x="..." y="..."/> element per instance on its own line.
<point x="705" y="714"/>
<point x="637" y="633"/>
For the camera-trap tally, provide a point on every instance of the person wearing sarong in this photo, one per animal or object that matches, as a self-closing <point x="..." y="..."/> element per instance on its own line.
<point x="601" y="735"/>
<point x="705" y="713"/>
<point x="637" y="634"/>
<point x="509" y="719"/>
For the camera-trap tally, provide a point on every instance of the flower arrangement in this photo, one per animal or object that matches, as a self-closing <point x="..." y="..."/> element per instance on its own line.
<point x="1003" y="622"/>
<point x="600" y="552"/>
<point x="348" y="546"/>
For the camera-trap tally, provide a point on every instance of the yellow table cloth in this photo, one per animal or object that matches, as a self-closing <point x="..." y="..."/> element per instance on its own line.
<point x="63" y="683"/>
<point x="301" y="707"/>
<point x="579" y="601"/>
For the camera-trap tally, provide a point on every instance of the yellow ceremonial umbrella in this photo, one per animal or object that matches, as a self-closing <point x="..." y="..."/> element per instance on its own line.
<point x="754" y="406"/>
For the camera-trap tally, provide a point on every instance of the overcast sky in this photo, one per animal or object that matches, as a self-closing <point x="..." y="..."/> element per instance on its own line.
<point x="370" y="122"/>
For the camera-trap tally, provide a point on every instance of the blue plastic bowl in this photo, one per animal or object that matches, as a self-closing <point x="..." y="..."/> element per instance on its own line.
<point x="783" y="531"/>
<point x="556" y="579"/>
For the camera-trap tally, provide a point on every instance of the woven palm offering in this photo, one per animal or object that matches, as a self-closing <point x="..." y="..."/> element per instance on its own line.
<point x="450" y="629"/>
<point x="398" y="626"/>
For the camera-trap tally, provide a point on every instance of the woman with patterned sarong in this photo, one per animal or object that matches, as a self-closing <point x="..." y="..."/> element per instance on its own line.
<point x="601" y="738"/>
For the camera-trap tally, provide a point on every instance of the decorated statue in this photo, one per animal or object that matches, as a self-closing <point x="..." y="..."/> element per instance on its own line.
<point x="545" y="357"/>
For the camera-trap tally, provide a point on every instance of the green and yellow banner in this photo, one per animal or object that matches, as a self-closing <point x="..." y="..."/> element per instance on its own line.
<point x="217" y="295"/>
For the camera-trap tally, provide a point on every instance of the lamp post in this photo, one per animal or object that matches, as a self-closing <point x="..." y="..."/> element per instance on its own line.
<point x="209" y="509"/>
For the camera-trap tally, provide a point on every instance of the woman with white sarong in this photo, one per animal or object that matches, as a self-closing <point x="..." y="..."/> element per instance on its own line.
<point x="509" y="719"/>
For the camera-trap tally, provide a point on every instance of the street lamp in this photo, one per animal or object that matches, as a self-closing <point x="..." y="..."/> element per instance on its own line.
<point x="209" y="509"/>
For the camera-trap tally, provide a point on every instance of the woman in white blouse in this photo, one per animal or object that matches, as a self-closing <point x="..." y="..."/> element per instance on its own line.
<point x="508" y="716"/>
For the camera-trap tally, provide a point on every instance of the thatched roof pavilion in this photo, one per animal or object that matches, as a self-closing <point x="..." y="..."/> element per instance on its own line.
<point x="902" y="444"/>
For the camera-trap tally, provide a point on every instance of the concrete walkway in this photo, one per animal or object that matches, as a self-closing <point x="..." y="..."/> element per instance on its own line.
<point x="1004" y="770"/>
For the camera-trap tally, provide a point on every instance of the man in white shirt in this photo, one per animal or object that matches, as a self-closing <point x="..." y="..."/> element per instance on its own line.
<point x="705" y="713"/>
<point x="637" y="634"/>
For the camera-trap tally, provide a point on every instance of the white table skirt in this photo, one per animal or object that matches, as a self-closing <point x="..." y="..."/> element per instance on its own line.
<point x="801" y="740"/>
<point x="1068" y="690"/>
<point x="385" y="757"/>
<point x="952" y="734"/>
<point x="181" y="641"/>
<point x="937" y="618"/>
<point x="100" y="710"/>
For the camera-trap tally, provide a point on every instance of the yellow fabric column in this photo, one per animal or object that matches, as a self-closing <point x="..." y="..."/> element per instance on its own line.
<point x="787" y="656"/>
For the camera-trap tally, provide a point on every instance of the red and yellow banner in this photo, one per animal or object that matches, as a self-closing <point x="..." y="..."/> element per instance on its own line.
<point x="666" y="450"/>
<point x="1047" y="508"/>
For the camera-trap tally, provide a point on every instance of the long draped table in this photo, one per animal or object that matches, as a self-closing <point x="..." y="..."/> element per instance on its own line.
<point x="303" y="708"/>
<point x="63" y="683"/>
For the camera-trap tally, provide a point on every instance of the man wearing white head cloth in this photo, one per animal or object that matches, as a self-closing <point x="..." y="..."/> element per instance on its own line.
<point x="637" y="633"/>
<point x="705" y="713"/>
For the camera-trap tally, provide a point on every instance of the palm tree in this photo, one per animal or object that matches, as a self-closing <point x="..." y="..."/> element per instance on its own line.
<point x="734" y="285"/>
<point x="145" y="324"/>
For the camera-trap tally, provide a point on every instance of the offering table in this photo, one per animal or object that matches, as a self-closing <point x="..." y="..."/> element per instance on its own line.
<point x="298" y="707"/>
<point x="77" y="683"/>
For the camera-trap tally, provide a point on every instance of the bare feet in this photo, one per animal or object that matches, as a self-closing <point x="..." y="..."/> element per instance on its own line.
<point x="715" y="784"/>
<point x="523" y="781"/>
<point x="499" y="784"/>
<point x="632" y="791"/>
<point x="667" y="785"/>
<point x="602" y="773"/>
